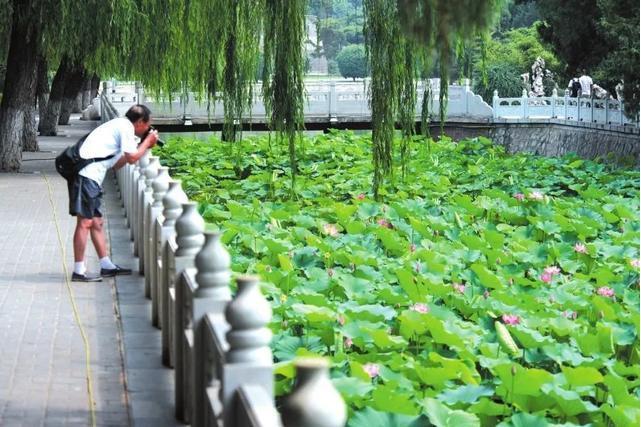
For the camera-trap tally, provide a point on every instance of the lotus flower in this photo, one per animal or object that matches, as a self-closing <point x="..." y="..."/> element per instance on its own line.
<point x="384" y="223"/>
<point x="341" y="319"/>
<point x="511" y="319"/>
<point x="360" y="197"/>
<point x="569" y="314"/>
<point x="412" y="247"/>
<point x="535" y="195"/>
<point x="553" y="270"/>
<point x="458" y="287"/>
<point x="546" y="277"/>
<point x="486" y="294"/>
<point x="347" y="343"/>
<point x="605" y="291"/>
<point x="330" y="229"/>
<point x="580" y="248"/>
<point x="420" y="308"/>
<point x="372" y="369"/>
<point x="519" y="196"/>
<point x="635" y="263"/>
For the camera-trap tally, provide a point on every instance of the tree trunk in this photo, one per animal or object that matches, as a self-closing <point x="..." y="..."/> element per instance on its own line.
<point x="95" y="85"/>
<point x="72" y="88"/>
<point x="86" y="93"/>
<point x="29" y="137"/>
<point x="76" y="107"/>
<point x="20" y="81"/>
<point x="42" y="87"/>
<point x="49" y="122"/>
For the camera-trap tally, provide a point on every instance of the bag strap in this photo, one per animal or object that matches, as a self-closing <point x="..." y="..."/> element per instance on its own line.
<point x="95" y="159"/>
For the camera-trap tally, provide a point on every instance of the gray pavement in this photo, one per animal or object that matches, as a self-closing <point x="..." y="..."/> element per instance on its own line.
<point x="46" y="366"/>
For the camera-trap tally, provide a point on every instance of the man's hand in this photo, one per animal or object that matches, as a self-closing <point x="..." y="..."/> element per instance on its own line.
<point x="151" y="139"/>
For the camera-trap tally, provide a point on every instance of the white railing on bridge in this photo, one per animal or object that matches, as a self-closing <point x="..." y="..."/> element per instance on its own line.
<point x="333" y="100"/>
<point x="218" y="345"/>
<point x="590" y="110"/>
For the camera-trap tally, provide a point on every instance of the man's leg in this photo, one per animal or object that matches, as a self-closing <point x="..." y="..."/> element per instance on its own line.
<point x="80" y="236"/>
<point x="98" y="237"/>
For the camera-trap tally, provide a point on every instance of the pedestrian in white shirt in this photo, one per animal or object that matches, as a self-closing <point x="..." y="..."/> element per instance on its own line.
<point x="586" y="85"/>
<point x="117" y="137"/>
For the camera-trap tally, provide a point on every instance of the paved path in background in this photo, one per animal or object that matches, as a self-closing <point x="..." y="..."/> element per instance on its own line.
<point x="43" y="358"/>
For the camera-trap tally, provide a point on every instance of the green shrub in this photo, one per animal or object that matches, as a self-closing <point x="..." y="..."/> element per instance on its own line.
<point x="501" y="77"/>
<point x="352" y="62"/>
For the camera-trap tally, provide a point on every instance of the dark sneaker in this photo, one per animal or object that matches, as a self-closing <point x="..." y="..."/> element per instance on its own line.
<point x="75" y="277"/>
<point x="111" y="272"/>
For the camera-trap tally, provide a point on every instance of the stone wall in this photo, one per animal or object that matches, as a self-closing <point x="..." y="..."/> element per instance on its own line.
<point x="555" y="138"/>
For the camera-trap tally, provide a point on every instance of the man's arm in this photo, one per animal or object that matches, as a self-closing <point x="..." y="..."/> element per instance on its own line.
<point x="132" y="158"/>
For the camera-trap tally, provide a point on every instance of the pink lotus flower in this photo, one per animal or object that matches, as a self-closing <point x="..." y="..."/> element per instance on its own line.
<point x="330" y="229"/>
<point x="458" y="287"/>
<point x="412" y="247"/>
<point x="635" y="263"/>
<point x="569" y="314"/>
<point x="605" y="291"/>
<point x="330" y="272"/>
<point x="420" y="308"/>
<point x="511" y="319"/>
<point x="372" y="369"/>
<point x="384" y="223"/>
<point x="580" y="248"/>
<point x="553" y="270"/>
<point x="519" y="196"/>
<point x="535" y="195"/>
<point x="546" y="277"/>
<point x="347" y="343"/>
<point x="360" y="197"/>
<point x="341" y="319"/>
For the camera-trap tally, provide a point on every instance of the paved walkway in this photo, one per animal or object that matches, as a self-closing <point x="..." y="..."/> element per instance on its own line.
<point x="48" y="362"/>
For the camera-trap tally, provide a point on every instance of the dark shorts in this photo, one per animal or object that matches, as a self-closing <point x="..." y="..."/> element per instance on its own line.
<point x="84" y="197"/>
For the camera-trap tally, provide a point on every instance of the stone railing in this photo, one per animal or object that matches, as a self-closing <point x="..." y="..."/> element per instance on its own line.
<point x="217" y="344"/>
<point x="589" y="110"/>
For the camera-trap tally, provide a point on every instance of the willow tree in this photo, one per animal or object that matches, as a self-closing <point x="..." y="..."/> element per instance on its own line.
<point x="431" y="25"/>
<point x="284" y="62"/>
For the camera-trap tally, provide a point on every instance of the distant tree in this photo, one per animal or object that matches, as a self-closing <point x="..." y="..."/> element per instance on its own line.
<point x="501" y="77"/>
<point x="352" y="61"/>
<point x="601" y="36"/>
<point x="518" y="14"/>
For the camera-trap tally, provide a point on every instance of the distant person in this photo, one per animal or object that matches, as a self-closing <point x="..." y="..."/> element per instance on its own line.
<point x="117" y="137"/>
<point x="586" y="85"/>
<point x="574" y="86"/>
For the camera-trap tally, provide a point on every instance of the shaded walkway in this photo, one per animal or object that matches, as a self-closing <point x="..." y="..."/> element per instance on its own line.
<point x="45" y="365"/>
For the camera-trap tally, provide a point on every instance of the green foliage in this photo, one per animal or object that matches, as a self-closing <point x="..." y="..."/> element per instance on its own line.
<point x="501" y="77"/>
<point x="606" y="45"/>
<point x="352" y="62"/>
<point x="369" y="283"/>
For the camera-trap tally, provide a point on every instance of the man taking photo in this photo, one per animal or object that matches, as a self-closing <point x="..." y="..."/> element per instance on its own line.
<point x="117" y="137"/>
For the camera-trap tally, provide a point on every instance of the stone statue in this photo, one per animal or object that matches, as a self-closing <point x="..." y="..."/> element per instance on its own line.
<point x="538" y="72"/>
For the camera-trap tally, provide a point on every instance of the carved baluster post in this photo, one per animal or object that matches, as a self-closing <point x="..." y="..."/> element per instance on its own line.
<point x="249" y="358"/>
<point x="565" y="103"/>
<point x="211" y="297"/>
<point x="172" y="203"/>
<point x="554" y="98"/>
<point x="524" y="101"/>
<point x="314" y="402"/>
<point x="138" y="182"/>
<point x="495" y="104"/>
<point x="151" y="171"/>
<point x="189" y="237"/>
<point x="160" y="185"/>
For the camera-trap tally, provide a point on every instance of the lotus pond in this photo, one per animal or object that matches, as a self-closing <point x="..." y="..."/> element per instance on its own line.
<point x="483" y="289"/>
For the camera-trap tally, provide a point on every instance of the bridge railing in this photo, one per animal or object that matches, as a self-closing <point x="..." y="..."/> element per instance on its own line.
<point x="591" y="110"/>
<point x="217" y="344"/>
<point x="330" y="99"/>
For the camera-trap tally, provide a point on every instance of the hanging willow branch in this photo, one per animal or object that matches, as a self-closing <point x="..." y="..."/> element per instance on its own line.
<point x="283" y="88"/>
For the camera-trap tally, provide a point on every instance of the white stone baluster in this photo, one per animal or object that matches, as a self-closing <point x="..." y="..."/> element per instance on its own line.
<point x="189" y="237"/>
<point x="249" y="358"/>
<point x="160" y="185"/>
<point x="150" y="173"/>
<point x="314" y="402"/>
<point x="210" y="298"/>
<point x="172" y="203"/>
<point x="137" y="186"/>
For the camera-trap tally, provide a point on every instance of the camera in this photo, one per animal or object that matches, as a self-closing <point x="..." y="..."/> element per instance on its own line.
<point x="159" y="142"/>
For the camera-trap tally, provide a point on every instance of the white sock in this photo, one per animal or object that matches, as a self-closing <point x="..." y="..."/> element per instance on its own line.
<point x="79" y="267"/>
<point x="106" y="263"/>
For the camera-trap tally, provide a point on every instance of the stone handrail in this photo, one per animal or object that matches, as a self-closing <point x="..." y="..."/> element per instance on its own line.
<point x="218" y="345"/>
<point x="590" y="110"/>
